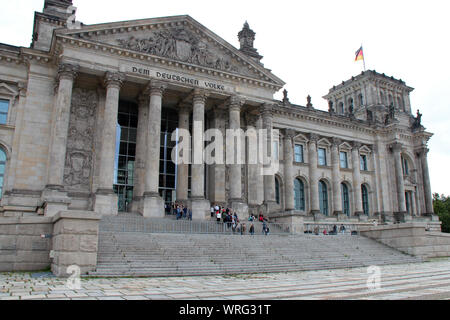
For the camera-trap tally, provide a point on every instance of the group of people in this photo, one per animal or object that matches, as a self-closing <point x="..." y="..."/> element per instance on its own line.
<point x="179" y="210"/>
<point x="231" y="219"/>
<point x="333" y="232"/>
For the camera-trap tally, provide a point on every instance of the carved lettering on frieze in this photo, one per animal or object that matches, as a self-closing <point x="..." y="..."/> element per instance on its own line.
<point x="80" y="141"/>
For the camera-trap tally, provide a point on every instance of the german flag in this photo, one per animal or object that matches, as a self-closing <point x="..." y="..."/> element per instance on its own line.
<point x="359" y="54"/>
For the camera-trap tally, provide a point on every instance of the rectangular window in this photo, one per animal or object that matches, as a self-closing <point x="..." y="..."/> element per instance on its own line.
<point x="4" y="107"/>
<point x="322" y="153"/>
<point x="343" y="158"/>
<point x="363" y="162"/>
<point x="275" y="150"/>
<point x="298" y="153"/>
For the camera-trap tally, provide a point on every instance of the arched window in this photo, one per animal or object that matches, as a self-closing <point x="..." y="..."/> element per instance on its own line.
<point x="345" y="199"/>
<point x="2" y="169"/>
<point x="365" y="199"/>
<point x="277" y="190"/>
<point x="299" y="194"/>
<point x="323" y="197"/>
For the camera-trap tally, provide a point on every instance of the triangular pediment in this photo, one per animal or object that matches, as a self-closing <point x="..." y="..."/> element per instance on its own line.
<point x="179" y="38"/>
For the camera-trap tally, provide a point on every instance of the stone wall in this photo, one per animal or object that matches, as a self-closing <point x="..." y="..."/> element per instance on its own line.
<point x="75" y="241"/>
<point x="25" y="243"/>
<point x="38" y="243"/>
<point x="411" y="238"/>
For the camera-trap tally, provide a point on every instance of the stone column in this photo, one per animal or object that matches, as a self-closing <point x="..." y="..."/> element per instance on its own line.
<point x="396" y="149"/>
<point x="200" y="206"/>
<point x="183" y="168"/>
<point x="289" y="134"/>
<point x="426" y="181"/>
<point x="236" y="166"/>
<point x="255" y="179"/>
<point x="54" y="197"/>
<point x="105" y="202"/>
<point x="313" y="177"/>
<point x="153" y="203"/>
<point x="141" y="151"/>
<point x="336" y="181"/>
<point x="357" y="197"/>
<point x="217" y="193"/>
<point x="381" y="162"/>
<point x="269" y="176"/>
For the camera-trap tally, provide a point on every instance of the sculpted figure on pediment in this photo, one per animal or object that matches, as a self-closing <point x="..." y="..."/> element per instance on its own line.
<point x="179" y="44"/>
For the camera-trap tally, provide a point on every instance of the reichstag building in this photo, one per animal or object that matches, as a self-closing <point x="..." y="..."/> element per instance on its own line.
<point x="87" y="115"/>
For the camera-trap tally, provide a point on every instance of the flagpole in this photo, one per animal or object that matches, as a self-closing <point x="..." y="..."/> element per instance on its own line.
<point x="364" y="59"/>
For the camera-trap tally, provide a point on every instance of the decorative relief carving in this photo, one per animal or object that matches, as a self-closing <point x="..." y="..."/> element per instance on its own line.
<point x="180" y="44"/>
<point x="80" y="141"/>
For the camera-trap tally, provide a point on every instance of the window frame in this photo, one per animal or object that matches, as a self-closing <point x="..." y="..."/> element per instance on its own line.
<point x="319" y="149"/>
<point x="9" y="101"/>
<point x="302" y="154"/>
<point x="345" y="153"/>
<point x="299" y="197"/>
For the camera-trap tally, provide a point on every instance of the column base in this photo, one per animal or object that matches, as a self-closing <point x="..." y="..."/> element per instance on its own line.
<point x="269" y="207"/>
<point x="201" y="209"/>
<point x="106" y="203"/>
<point x="400" y="217"/>
<point x="153" y="206"/>
<point x="54" y="200"/>
<point x="239" y="207"/>
<point x="342" y="216"/>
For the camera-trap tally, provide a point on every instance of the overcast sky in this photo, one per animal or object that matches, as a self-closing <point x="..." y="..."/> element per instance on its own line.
<point x="310" y="45"/>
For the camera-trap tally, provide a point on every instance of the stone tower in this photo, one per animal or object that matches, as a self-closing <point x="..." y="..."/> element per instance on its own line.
<point x="55" y="14"/>
<point x="246" y="38"/>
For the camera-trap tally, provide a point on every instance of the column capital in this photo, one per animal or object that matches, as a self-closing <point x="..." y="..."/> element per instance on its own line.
<point x="356" y="145"/>
<point x="156" y="88"/>
<point x="200" y="96"/>
<point x="313" y="137"/>
<point x="422" y="151"/>
<point x="336" y="142"/>
<point x="67" y="71"/>
<point x="289" y="133"/>
<point x="114" y="79"/>
<point x="396" y="146"/>
<point x="266" y="110"/>
<point x="236" y="102"/>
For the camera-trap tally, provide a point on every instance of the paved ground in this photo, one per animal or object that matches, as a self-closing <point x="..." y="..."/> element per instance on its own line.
<point x="429" y="280"/>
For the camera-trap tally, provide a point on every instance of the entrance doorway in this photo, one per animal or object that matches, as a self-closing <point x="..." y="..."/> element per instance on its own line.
<point x="125" y="158"/>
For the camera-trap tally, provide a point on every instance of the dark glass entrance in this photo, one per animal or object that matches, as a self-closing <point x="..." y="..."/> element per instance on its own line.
<point x="167" y="168"/>
<point x="125" y="154"/>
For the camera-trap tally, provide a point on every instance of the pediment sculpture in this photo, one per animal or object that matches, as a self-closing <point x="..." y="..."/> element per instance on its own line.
<point x="179" y="44"/>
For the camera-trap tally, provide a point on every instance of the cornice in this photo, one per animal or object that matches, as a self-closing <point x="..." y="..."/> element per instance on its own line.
<point x="176" y="21"/>
<point x="163" y="61"/>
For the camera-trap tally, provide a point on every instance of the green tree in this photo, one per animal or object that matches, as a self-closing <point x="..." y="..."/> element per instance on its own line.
<point x="441" y="206"/>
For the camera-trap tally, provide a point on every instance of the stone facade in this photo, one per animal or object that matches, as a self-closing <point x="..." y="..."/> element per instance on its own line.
<point x="366" y="158"/>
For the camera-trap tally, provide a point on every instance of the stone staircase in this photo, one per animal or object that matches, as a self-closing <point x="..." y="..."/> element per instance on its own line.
<point x="149" y="254"/>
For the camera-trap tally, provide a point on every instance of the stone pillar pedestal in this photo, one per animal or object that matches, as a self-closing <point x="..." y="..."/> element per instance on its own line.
<point x="239" y="207"/>
<point x="201" y="209"/>
<point x="55" y="200"/>
<point x="106" y="202"/>
<point x="74" y="241"/>
<point x="153" y="206"/>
